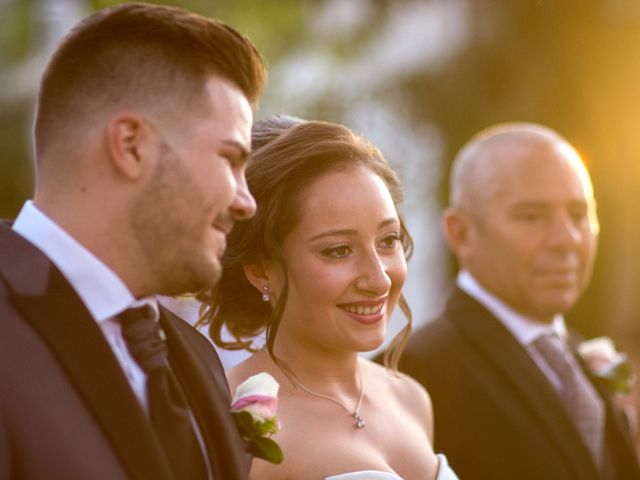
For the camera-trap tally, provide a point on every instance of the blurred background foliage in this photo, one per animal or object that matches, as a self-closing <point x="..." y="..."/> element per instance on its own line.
<point x="418" y="78"/>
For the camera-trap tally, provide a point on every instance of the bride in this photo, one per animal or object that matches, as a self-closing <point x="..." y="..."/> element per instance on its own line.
<point x="321" y="267"/>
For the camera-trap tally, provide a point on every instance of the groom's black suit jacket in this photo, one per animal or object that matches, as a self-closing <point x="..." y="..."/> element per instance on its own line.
<point x="66" y="409"/>
<point x="496" y="416"/>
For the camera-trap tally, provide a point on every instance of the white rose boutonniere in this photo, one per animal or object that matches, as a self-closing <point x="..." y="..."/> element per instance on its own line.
<point x="253" y="408"/>
<point x="608" y="365"/>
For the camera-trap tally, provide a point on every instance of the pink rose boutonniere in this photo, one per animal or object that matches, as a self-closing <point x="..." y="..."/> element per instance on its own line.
<point x="608" y="365"/>
<point x="253" y="408"/>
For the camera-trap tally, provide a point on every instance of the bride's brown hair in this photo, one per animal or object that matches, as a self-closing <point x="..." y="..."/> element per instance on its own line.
<point x="277" y="172"/>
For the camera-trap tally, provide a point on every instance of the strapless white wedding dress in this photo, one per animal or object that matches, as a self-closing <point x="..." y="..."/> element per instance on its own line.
<point x="444" y="473"/>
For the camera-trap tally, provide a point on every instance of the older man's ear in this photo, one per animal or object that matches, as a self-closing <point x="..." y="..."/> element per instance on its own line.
<point x="457" y="228"/>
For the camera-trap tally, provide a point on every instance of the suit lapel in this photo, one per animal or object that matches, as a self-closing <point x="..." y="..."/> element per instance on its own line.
<point x="614" y="414"/>
<point x="522" y="377"/>
<point x="50" y="305"/>
<point x="193" y="360"/>
<point x="618" y="434"/>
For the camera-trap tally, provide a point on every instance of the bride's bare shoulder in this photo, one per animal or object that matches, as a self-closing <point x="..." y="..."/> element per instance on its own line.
<point x="396" y="380"/>
<point x="402" y="390"/>
<point x="256" y="363"/>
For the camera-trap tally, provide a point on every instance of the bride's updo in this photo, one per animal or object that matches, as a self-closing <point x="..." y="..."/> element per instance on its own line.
<point x="288" y="155"/>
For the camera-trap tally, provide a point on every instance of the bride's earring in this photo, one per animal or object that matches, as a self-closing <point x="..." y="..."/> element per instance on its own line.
<point x="265" y="293"/>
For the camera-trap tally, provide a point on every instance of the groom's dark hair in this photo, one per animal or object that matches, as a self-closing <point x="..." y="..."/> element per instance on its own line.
<point x="140" y="57"/>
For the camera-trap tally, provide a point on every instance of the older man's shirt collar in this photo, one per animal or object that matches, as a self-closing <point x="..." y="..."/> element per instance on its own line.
<point x="524" y="329"/>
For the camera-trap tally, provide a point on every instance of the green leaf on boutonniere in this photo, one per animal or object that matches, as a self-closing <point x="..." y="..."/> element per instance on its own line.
<point x="244" y="421"/>
<point x="610" y="367"/>
<point x="618" y="376"/>
<point x="266" y="449"/>
<point x="267" y="427"/>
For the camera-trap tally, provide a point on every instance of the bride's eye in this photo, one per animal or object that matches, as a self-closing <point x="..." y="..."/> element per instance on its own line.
<point x="390" y="241"/>
<point x="338" y="251"/>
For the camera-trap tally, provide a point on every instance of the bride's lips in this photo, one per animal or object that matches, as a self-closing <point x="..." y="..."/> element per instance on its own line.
<point x="365" y="311"/>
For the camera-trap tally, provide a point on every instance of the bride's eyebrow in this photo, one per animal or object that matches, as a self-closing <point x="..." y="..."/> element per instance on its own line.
<point x="351" y="231"/>
<point x="389" y="221"/>
<point x="331" y="233"/>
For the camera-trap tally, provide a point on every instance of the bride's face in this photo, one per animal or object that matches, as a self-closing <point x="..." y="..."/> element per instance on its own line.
<point x="345" y="263"/>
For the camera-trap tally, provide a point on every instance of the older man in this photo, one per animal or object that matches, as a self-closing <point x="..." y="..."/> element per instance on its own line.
<point x="142" y="132"/>
<point x="511" y="399"/>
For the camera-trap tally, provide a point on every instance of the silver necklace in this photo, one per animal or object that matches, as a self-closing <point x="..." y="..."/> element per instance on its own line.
<point x="357" y="419"/>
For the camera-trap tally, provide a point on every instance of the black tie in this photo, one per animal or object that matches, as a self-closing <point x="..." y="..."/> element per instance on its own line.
<point x="167" y="405"/>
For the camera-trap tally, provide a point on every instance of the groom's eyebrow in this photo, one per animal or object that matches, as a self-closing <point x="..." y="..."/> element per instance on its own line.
<point x="243" y="152"/>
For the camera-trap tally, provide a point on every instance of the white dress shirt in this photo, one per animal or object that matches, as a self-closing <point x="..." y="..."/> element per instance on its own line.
<point x="104" y="294"/>
<point x="523" y="329"/>
<point x="101" y="290"/>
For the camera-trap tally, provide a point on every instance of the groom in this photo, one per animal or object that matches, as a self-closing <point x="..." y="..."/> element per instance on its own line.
<point x="511" y="399"/>
<point x="142" y="132"/>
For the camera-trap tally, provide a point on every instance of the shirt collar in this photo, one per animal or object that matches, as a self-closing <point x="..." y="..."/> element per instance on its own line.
<point x="104" y="294"/>
<point x="524" y="329"/>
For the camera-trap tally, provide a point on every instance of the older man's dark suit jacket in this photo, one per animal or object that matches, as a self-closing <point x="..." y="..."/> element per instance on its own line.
<point x="496" y="415"/>
<point x="66" y="408"/>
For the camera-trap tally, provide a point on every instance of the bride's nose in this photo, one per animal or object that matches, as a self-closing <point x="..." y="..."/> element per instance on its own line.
<point x="372" y="275"/>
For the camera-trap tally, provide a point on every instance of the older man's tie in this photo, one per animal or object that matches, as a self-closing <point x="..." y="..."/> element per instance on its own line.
<point x="168" y="407"/>
<point x="581" y="401"/>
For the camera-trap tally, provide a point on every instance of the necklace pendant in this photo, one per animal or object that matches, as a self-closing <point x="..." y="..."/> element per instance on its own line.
<point x="360" y="423"/>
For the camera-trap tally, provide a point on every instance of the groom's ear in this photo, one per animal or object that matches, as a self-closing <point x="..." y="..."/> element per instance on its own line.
<point x="130" y="142"/>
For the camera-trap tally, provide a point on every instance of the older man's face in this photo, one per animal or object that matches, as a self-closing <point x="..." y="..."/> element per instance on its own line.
<point x="534" y="241"/>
